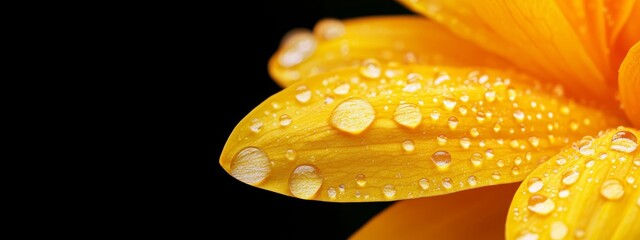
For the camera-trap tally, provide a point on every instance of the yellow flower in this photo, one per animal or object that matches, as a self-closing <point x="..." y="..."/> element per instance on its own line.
<point x="486" y="93"/>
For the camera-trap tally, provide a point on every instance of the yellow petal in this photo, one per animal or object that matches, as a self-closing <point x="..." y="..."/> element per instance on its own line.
<point x="474" y="214"/>
<point x="534" y="35"/>
<point x="588" y="191"/>
<point x="629" y="82"/>
<point x="342" y="136"/>
<point x="404" y="39"/>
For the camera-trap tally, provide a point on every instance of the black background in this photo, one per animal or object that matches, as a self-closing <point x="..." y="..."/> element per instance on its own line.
<point x="244" y="43"/>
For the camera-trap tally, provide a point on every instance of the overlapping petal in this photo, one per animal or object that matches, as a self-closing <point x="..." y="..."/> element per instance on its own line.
<point x="629" y="82"/>
<point x="588" y="191"/>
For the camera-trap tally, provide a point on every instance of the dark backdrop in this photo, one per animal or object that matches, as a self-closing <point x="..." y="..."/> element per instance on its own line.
<point x="248" y="39"/>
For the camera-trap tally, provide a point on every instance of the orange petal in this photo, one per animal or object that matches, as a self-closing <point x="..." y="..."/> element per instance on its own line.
<point x="589" y="190"/>
<point x="420" y="131"/>
<point x="473" y="214"/>
<point x="405" y="39"/>
<point x="629" y="82"/>
<point x="629" y="36"/>
<point x="534" y="35"/>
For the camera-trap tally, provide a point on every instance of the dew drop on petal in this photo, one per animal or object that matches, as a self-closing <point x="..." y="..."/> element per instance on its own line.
<point x="518" y="115"/>
<point x="435" y="115"/>
<point x="624" y="141"/>
<point x="353" y="116"/>
<point x="305" y="181"/>
<point x="584" y="146"/>
<point x="389" y="190"/>
<point x="303" y="94"/>
<point x="361" y="180"/>
<point x="540" y="204"/>
<point x="408" y="115"/>
<point x="558" y="230"/>
<point x="570" y="177"/>
<point x="370" y="68"/>
<point x="528" y="236"/>
<point x="331" y="192"/>
<point x="442" y="159"/>
<point x="612" y="189"/>
<point x="472" y="180"/>
<point x="251" y="165"/>
<point x="290" y="155"/>
<point x="285" y="120"/>
<point x="447" y="183"/>
<point x="449" y="102"/>
<point x="452" y="122"/>
<point x="442" y="139"/>
<point x="476" y="159"/>
<point x="465" y="142"/>
<point x="408" y="146"/>
<point x="329" y="28"/>
<point x="535" y="184"/>
<point x="424" y="183"/>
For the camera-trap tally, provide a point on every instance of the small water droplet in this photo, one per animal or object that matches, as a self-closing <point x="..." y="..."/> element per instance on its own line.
<point x="561" y="160"/>
<point x="370" y="68"/>
<point x="476" y="159"/>
<point x="636" y="161"/>
<point x="515" y="171"/>
<point x="517" y="160"/>
<point x="570" y="177"/>
<point x="558" y="230"/>
<point x="528" y="236"/>
<point x="630" y="179"/>
<point x="329" y="28"/>
<point x="361" y="180"/>
<point x="564" y="193"/>
<point x="442" y="139"/>
<point x="514" y="144"/>
<point x="590" y="163"/>
<point x="408" y="115"/>
<point x="285" y="120"/>
<point x="500" y="163"/>
<point x="579" y="233"/>
<point x="474" y="132"/>
<point x="441" y="77"/>
<point x="449" y="102"/>
<point x="303" y="94"/>
<point x="472" y="180"/>
<point x="573" y="125"/>
<point x="435" y="115"/>
<point x="480" y="116"/>
<point x="424" y="183"/>
<point x="447" y="183"/>
<point x="518" y="114"/>
<point x="584" y="146"/>
<point x="256" y="125"/>
<point x="624" y="141"/>
<point x="389" y="190"/>
<point x="342" y="89"/>
<point x="565" y="110"/>
<point x="453" y="122"/>
<point x="489" y="153"/>
<point x="540" y="204"/>
<point x="412" y="87"/>
<point x="497" y="127"/>
<point x="465" y="142"/>
<point x="331" y="192"/>
<point x="535" y="184"/>
<point x="442" y="159"/>
<point x="495" y="175"/>
<point x="290" y="155"/>
<point x="612" y="189"/>
<point x="305" y="181"/>
<point x="250" y="165"/>
<point x="464" y="97"/>
<point x="534" y="141"/>
<point x="408" y="146"/>
<point x="511" y="93"/>
<point x="463" y="110"/>
<point x="353" y="115"/>
<point x="490" y="95"/>
<point x="297" y="46"/>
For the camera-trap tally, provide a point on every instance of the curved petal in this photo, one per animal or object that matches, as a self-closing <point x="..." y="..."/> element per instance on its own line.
<point x="404" y="39"/>
<point x="534" y="35"/>
<point x="629" y="82"/>
<point x="421" y="131"/>
<point x="473" y="214"/>
<point x="589" y="190"/>
<point x="629" y="36"/>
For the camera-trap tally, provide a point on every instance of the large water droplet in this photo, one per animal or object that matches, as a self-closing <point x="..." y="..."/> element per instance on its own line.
<point x="251" y="165"/>
<point x="329" y="28"/>
<point x="624" y="141"/>
<point x="361" y="180"/>
<point x="424" y="183"/>
<point x="297" y="46"/>
<point x="408" y="115"/>
<point x="389" y="190"/>
<point x="285" y="120"/>
<point x="303" y="94"/>
<point x="540" y="204"/>
<point x="442" y="159"/>
<point x="408" y="146"/>
<point x="370" y="68"/>
<point x="570" y="177"/>
<point x="535" y="184"/>
<point x="353" y="115"/>
<point x="305" y="181"/>
<point x="558" y="230"/>
<point x="612" y="189"/>
<point x="452" y="122"/>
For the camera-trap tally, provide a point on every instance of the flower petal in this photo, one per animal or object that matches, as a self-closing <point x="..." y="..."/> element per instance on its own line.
<point x="534" y="35"/>
<point x="474" y="214"/>
<point x="629" y="36"/>
<point x="589" y="190"/>
<point x="629" y="82"/>
<point x="417" y="131"/>
<point x="405" y="39"/>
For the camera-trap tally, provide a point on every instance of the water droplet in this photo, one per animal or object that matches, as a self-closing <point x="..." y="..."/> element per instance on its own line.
<point x="446" y="183"/>
<point x="440" y="78"/>
<point x="251" y="165"/>
<point x="361" y="180"/>
<point x="541" y="204"/>
<point x="517" y="160"/>
<point x="489" y="153"/>
<point x="497" y="127"/>
<point x="535" y="184"/>
<point x="435" y="115"/>
<point x="442" y="159"/>
<point x="408" y="115"/>
<point x="480" y="116"/>
<point x="514" y="144"/>
<point x="638" y="202"/>
<point x="297" y="46"/>
<point x="370" y="68"/>
<point x="412" y="87"/>
<point x="534" y="141"/>
<point x="570" y="177"/>
<point x="389" y="191"/>
<point x="500" y="163"/>
<point x="465" y="143"/>
<point x="630" y="179"/>
<point x="353" y="115"/>
<point x="256" y="125"/>
<point x="453" y="122"/>
<point x="474" y="132"/>
<point x="564" y="193"/>
<point x="424" y="183"/>
<point x="511" y="94"/>
<point x="518" y="114"/>
<point x="528" y="236"/>
<point x="329" y="28"/>
<point x="463" y="110"/>
<point x="442" y="139"/>
<point x="305" y="181"/>
<point x="636" y="161"/>
<point x="490" y="95"/>
<point x="624" y="141"/>
<point x="290" y="155"/>
<point x="285" y="120"/>
<point x="303" y="94"/>
<point x="561" y="160"/>
<point x="584" y="146"/>
<point x="331" y="192"/>
<point x="612" y="189"/>
<point x="449" y="102"/>
<point x="482" y="143"/>
<point x="342" y="89"/>
<point x="579" y="233"/>
<point x="515" y="171"/>
<point x="476" y="159"/>
<point x="408" y="146"/>
<point x="495" y="175"/>
<point x="590" y="163"/>
<point x="558" y="230"/>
